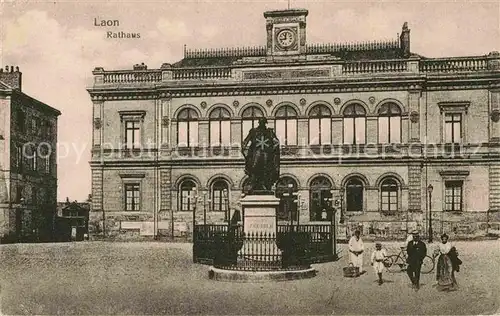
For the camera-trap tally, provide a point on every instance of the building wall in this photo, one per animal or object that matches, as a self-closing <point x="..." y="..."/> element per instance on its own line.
<point x="33" y="188"/>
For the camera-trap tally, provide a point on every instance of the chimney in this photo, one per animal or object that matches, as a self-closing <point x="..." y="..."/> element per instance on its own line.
<point x="67" y="200"/>
<point x="12" y="77"/>
<point x="404" y="40"/>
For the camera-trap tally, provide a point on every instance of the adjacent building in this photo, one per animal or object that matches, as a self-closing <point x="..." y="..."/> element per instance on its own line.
<point x="397" y="141"/>
<point x="28" y="138"/>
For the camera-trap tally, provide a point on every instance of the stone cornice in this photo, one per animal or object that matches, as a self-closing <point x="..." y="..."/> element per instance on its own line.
<point x="333" y="85"/>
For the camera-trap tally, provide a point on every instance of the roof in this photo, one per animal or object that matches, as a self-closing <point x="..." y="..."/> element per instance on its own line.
<point x="4" y="86"/>
<point x="347" y="52"/>
<point x="39" y="104"/>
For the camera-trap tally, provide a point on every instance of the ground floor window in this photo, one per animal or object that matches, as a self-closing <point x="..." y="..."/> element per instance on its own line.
<point x="354" y="195"/>
<point x="453" y="196"/>
<point x="389" y="203"/>
<point x="132" y="197"/>
<point x="187" y="196"/>
<point x="220" y="198"/>
<point x="287" y="209"/>
<point x="320" y="199"/>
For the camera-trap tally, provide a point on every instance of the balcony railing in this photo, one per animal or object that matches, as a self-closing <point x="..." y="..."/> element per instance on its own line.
<point x="375" y="66"/>
<point x="201" y="73"/>
<point x="454" y="64"/>
<point x="125" y="76"/>
<point x="431" y="66"/>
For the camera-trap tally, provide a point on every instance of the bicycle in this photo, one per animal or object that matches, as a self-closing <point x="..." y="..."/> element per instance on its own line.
<point x="397" y="263"/>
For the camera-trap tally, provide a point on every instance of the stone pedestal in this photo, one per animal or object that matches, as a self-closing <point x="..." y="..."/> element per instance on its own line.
<point x="259" y="213"/>
<point x="259" y="226"/>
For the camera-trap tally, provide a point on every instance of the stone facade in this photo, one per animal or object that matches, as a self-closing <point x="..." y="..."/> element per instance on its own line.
<point x="166" y="142"/>
<point x="29" y="177"/>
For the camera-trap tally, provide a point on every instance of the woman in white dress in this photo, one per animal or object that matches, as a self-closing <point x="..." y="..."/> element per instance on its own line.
<point x="446" y="265"/>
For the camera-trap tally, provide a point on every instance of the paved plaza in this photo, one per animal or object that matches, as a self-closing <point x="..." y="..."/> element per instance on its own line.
<point x="160" y="278"/>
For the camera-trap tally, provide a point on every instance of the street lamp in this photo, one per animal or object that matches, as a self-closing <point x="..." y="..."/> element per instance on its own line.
<point x="342" y="219"/>
<point x="227" y="210"/>
<point x="289" y="194"/>
<point x="429" y="190"/>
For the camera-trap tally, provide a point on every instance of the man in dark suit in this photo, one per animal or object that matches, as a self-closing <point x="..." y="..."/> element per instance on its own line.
<point x="416" y="251"/>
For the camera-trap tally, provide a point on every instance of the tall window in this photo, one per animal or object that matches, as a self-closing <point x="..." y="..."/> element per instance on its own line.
<point x="132" y="197"/>
<point x="453" y="128"/>
<point x="187" y="128"/>
<point x="389" y="124"/>
<point x="34" y="160"/>
<point x="250" y="119"/>
<point x="187" y="196"/>
<point x="453" y="196"/>
<point x="389" y="196"/>
<point x="132" y="135"/>
<point x="319" y="193"/>
<point x="220" y="196"/>
<point x="17" y="157"/>
<point x="354" y="124"/>
<point x="286" y="125"/>
<point x="21" y="120"/>
<point x="220" y="127"/>
<point x="287" y="207"/>
<point x="354" y="195"/>
<point x="320" y="125"/>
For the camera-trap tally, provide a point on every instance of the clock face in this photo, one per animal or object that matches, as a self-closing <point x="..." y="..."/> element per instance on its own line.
<point x="285" y="38"/>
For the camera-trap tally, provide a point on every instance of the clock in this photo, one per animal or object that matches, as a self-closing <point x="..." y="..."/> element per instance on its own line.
<point x="285" y="38"/>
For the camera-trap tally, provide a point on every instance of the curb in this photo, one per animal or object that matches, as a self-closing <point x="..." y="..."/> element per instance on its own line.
<point x="261" y="276"/>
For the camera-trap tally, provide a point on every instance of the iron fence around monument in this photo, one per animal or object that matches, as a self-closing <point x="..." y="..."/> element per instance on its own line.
<point x="290" y="248"/>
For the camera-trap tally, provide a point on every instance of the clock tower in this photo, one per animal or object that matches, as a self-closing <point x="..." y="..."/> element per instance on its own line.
<point x="286" y="32"/>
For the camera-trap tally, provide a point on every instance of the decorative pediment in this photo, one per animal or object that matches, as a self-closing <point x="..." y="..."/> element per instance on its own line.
<point x="136" y="115"/>
<point x="454" y="174"/>
<point x="454" y="106"/>
<point x="132" y="175"/>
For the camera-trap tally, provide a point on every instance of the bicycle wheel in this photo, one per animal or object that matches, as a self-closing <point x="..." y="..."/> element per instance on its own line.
<point x="396" y="263"/>
<point x="427" y="265"/>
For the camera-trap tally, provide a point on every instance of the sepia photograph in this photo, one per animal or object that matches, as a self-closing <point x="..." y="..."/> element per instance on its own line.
<point x="237" y="157"/>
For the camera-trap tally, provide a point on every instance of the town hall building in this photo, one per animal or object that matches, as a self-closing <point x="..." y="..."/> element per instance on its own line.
<point x="393" y="140"/>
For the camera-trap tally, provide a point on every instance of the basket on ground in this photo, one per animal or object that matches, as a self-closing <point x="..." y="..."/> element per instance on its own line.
<point x="351" y="271"/>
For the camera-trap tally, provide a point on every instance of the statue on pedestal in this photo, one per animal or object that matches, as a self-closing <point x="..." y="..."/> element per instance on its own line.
<point x="261" y="149"/>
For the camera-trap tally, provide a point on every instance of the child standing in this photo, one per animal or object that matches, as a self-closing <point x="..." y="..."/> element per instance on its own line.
<point x="377" y="261"/>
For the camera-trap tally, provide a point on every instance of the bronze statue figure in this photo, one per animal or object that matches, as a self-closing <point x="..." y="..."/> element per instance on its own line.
<point x="262" y="158"/>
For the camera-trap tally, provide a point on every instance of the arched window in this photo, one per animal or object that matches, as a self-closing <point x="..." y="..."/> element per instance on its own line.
<point x="320" y="125"/>
<point x="250" y="119"/>
<point x="187" y="128"/>
<point x="220" y="127"/>
<point x="389" y="124"/>
<point x="287" y="208"/>
<point x="187" y="191"/>
<point x="389" y="196"/>
<point x="354" y="124"/>
<point x="286" y="125"/>
<point x="354" y="195"/>
<point x="220" y="196"/>
<point x="319" y="193"/>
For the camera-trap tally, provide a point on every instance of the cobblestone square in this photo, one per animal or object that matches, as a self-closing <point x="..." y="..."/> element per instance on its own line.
<point x="160" y="278"/>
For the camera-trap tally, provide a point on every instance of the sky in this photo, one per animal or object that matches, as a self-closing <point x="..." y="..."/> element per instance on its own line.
<point x="56" y="45"/>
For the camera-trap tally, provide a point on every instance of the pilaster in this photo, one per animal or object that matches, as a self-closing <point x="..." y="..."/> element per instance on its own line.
<point x="415" y="115"/>
<point x="494" y="183"/>
<point x="414" y="187"/>
<point x="494" y="116"/>
<point x="97" y="189"/>
<point x="165" y="191"/>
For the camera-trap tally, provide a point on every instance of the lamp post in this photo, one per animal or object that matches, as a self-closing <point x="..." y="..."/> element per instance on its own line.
<point x="289" y="195"/>
<point x="429" y="190"/>
<point x="342" y="219"/>
<point x="226" y="205"/>
<point x="298" y="201"/>
<point x="205" y="208"/>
